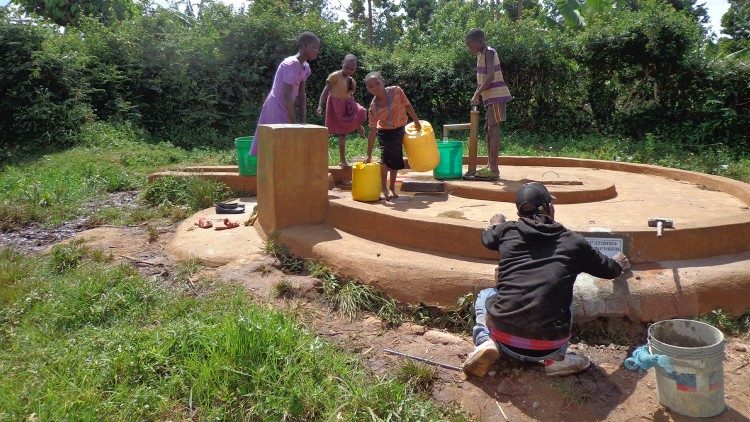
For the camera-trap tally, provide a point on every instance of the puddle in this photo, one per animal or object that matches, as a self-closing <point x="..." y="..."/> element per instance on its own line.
<point x="453" y="214"/>
<point x="35" y="238"/>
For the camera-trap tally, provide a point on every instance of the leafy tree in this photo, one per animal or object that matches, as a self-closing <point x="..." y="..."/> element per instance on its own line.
<point x="376" y="21"/>
<point x="420" y="11"/>
<point x="302" y="7"/>
<point x="519" y="9"/>
<point x="69" y="12"/>
<point x="692" y="7"/>
<point x="736" y="22"/>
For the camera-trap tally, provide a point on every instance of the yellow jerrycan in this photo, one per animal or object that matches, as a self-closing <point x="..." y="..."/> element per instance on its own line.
<point x="366" y="182"/>
<point x="421" y="148"/>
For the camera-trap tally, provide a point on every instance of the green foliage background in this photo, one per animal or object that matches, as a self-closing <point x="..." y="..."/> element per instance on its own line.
<point x="635" y="68"/>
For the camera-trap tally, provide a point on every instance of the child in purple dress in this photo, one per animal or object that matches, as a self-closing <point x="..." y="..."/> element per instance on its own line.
<point x="289" y="87"/>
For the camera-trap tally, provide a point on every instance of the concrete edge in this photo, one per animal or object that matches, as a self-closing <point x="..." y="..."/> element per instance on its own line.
<point x="458" y="237"/>
<point x="680" y="290"/>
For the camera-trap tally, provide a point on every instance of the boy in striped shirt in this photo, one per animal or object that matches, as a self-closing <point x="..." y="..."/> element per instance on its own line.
<point x="492" y="91"/>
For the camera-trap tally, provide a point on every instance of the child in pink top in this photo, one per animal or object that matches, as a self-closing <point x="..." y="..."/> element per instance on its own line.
<point x="343" y="114"/>
<point x="388" y="118"/>
<point x="289" y="87"/>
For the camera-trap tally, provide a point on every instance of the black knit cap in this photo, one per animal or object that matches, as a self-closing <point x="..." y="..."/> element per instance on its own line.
<point x="534" y="194"/>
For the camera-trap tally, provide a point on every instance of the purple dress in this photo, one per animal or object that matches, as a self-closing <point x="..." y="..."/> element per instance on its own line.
<point x="291" y="72"/>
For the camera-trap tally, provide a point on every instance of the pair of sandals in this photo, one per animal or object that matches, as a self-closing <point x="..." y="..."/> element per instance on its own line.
<point x="230" y="208"/>
<point x="205" y="223"/>
<point x="484" y="175"/>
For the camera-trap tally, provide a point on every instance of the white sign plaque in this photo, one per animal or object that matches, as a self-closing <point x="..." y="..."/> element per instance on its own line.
<point x="609" y="246"/>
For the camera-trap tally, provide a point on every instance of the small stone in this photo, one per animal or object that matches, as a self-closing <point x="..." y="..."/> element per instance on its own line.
<point x="742" y="348"/>
<point x="492" y="373"/>
<point x="413" y="329"/>
<point x="650" y="386"/>
<point x="535" y="404"/>
<point x="612" y="347"/>
<point x="440" y="337"/>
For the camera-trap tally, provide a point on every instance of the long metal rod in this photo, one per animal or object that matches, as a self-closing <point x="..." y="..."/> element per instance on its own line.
<point x="473" y="135"/>
<point x="425" y="360"/>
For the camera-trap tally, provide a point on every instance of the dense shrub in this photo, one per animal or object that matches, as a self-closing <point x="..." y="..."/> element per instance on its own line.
<point x="43" y="95"/>
<point x="201" y="81"/>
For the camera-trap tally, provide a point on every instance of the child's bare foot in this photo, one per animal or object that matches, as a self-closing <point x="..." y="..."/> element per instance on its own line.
<point x="393" y="192"/>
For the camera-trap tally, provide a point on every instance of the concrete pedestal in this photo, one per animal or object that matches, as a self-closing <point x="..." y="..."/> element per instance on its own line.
<point x="292" y="175"/>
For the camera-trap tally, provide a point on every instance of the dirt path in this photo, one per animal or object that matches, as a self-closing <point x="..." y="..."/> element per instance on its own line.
<point x="605" y="392"/>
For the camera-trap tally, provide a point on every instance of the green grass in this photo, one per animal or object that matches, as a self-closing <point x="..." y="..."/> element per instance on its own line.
<point x="728" y="325"/>
<point x="351" y="298"/>
<point x="194" y="193"/>
<point x="572" y="390"/>
<point x="52" y="188"/>
<point x="420" y="377"/>
<point x="284" y="289"/>
<point x="289" y="263"/>
<point x="97" y="341"/>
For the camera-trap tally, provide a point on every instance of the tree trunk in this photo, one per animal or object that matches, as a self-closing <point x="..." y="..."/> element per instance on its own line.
<point x="369" y="22"/>
<point x="520" y="9"/>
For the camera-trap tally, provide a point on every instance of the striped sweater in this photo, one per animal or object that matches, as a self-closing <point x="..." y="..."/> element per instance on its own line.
<point x="498" y="92"/>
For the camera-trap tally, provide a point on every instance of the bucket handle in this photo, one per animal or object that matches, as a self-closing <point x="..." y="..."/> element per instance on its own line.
<point x="642" y="360"/>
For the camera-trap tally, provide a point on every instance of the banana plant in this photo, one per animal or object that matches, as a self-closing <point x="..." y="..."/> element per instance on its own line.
<point x="575" y="12"/>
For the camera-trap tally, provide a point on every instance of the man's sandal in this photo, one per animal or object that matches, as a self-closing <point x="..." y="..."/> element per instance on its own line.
<point x="484" y="175"/>
<point x="230" y="208"/>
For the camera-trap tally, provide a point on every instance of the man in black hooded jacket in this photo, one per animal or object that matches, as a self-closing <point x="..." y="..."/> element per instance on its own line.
<point x="528" y="316"/>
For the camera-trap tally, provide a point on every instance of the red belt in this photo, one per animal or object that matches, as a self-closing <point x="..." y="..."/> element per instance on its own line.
<point x="525" y="343"/>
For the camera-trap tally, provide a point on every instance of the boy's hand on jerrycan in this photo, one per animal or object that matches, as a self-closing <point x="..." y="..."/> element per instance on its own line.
<point x="319" y="111"/>
<point x="417" y="125"/>
<point x="368" y="159"/>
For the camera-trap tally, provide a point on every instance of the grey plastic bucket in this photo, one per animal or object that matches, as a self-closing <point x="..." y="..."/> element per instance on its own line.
<point x="695" y="384"/>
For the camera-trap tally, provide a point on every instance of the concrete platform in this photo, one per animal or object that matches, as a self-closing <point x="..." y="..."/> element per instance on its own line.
<point x="710" y="213"/>
<point x="426" y="248"/>
<point x="216" y="247"/>
<point x="648" y="293"/>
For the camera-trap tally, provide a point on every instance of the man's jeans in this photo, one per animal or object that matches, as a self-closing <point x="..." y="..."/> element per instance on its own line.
<point x="482" y="333"/>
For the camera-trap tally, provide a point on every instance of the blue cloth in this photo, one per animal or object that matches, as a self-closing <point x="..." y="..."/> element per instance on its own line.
<point x="642" y="360"/>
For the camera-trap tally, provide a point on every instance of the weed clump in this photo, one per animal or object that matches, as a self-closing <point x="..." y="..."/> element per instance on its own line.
<point x="194" y="192"/>
<point x="724" y="322"/>
<point x="418" y="376"/>
<point x="68" y="256"/>
<point x="289" y="263"/>
<point x="284" y="289"/>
